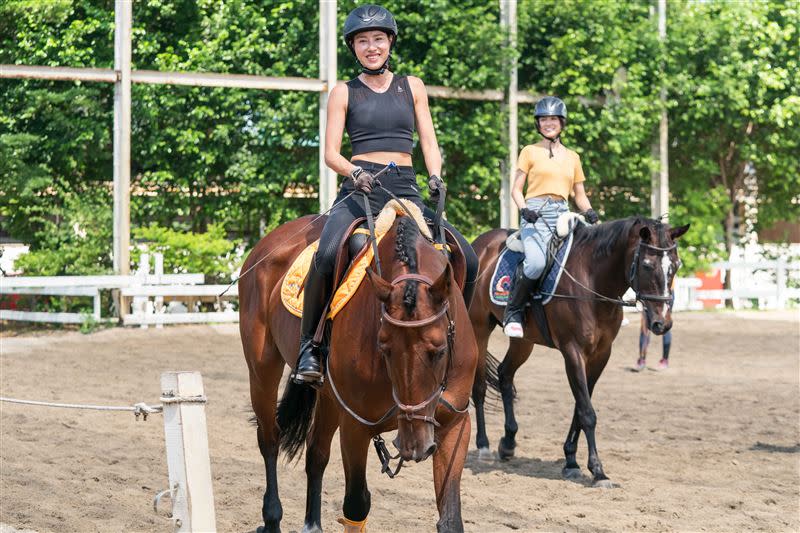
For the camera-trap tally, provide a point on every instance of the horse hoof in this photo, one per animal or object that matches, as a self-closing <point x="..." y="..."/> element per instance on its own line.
<point x="262" y="529"/>
<point x="603" y="484"/>
<point x="315" y="529"/>
<point x="485" y="455"/>
<point x="503" y="452"/>
<point x="571" y="473"/>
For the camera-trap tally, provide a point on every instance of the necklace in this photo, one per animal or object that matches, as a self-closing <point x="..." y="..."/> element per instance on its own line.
<point x="382" y="88"/>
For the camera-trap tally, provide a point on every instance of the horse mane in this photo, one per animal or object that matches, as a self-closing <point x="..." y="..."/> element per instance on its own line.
<point x="406" y="250"/>
<point x="604" y="237"/>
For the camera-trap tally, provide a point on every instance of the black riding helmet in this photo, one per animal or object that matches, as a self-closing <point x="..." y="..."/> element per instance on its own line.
<point x="550" y="106"/>
<point x="366" y="18"/>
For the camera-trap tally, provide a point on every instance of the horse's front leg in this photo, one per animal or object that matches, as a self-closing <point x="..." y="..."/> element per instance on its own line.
<point x="354" y="441"/>
<point x="581" y="390"/>
<point x="318" y="451"/>
<point x="571" y="468"/>
<point x="518" y="352"/>
<point x="448" y="463"/>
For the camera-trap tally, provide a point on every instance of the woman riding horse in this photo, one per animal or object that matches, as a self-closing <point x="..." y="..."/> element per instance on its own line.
<point x="552" y="172"/>
<point x="379" y="110"/>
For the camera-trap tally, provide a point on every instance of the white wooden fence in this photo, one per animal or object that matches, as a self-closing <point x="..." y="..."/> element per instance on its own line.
<point x="144" y="295"/>
<point x="760" y="285"/>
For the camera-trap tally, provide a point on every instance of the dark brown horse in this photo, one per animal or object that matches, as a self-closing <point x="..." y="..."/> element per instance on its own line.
<point x="402" y="356"/>
<point x="583" y="319"/>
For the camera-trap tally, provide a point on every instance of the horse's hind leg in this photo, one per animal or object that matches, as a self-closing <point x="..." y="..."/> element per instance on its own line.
<point x="318" y="451"/>
<point x="265" y="375"/>
<point x="518" y="352"/>
<point x="448" y="464"/>
<point x="482" y="333"/>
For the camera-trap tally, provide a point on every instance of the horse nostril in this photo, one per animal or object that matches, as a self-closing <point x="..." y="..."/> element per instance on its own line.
<point x="431" y="450"/>
<point x="658" y="327"/>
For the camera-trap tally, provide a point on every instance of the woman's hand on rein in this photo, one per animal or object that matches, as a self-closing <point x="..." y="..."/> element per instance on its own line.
<point x="529" y="215"/>
<point x="435" y="187"/>
<point x="591" y="216"/>
<point x="362" y="180"/>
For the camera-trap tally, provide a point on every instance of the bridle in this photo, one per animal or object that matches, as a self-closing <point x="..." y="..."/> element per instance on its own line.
<point x="400" y="409"/>
<point x="633" y="278"/>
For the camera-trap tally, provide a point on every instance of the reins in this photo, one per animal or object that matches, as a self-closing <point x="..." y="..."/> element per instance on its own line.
<point x="632" y="279"/>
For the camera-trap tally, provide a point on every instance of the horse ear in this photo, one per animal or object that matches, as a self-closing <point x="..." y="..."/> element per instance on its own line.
<point x="441" y="287"/>
<point x="645" y="234"/>
<point x="382" y="287"/>
<point x="674" y="233"/>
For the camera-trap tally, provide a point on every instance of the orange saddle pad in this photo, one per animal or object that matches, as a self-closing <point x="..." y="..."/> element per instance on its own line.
<point x="292" y="286"/>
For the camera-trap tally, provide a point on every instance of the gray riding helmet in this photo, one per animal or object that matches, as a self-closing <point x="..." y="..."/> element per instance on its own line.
<point x="366" y="18"/>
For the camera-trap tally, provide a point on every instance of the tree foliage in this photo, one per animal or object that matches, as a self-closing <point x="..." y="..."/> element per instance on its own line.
<point x="244" y="160"/>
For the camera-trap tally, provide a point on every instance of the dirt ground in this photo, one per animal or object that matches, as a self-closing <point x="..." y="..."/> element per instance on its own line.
<point x="712" y="444"/>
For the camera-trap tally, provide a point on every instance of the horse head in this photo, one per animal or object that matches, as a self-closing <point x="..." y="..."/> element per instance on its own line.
<point x="654" y="250"/>
<point x="416" y="336"/>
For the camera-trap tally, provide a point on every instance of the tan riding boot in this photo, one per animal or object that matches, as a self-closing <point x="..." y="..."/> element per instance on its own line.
<point x="351" y="526"/>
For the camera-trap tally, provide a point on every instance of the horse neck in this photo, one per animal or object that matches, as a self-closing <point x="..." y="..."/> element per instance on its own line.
<point x="611" y="273"/>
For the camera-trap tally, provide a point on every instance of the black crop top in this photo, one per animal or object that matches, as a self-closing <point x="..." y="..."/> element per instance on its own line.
<point x="380" y="122"/>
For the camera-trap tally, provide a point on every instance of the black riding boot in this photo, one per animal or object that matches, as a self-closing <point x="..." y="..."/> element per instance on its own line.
<point x="316" y="293"/>
<point x="515" y="309"/>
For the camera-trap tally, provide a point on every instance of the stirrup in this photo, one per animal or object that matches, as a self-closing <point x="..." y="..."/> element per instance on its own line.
<point x="514" y="329"/>
<point x="351" y="526"/>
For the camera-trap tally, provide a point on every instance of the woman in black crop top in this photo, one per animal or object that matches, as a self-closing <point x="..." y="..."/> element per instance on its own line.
<point x="379" y="111"/>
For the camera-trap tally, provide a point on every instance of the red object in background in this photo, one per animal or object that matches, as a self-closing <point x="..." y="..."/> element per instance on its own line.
<point x="711" y="281"/>
<point x="9" y="301"/>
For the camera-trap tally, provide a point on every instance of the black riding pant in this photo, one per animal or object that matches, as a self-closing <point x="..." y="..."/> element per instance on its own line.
<point x="402" y="182"/>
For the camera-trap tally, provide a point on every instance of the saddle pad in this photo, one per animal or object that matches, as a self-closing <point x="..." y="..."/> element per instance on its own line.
<point x="292" y="286"/>
<point x="502" y="279"/>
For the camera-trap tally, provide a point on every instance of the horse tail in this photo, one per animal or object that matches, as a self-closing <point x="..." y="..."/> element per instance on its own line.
<point x="295" y="412"/>
<point x="493" y="378"/>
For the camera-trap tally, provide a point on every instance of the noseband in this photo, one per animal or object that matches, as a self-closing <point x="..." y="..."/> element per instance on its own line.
<point x="633" y="278"/>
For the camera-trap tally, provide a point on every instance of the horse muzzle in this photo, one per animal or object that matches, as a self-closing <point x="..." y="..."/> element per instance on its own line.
<point x="414" y="442"/>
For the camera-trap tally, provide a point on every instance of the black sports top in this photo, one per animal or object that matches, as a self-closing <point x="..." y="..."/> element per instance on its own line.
<point x="380" y="122"/>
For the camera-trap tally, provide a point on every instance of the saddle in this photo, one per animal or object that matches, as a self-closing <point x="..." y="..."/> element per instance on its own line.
<point x="558" y="251"/>
<point x="356" y="254"/>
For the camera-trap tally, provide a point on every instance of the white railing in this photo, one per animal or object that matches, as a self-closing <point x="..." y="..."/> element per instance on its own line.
<point x="143" y="296"/>
<point x="752" y="287"/>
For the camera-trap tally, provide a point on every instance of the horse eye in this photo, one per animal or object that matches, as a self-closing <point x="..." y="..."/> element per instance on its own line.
<point x="647" y="264"/>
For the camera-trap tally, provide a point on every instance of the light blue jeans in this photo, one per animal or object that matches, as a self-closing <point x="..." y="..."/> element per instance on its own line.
<point x="536" y="237"/>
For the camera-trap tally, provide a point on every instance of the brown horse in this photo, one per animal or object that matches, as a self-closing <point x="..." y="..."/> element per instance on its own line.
<point x="402" y="356"/>
<point x="584" y="317"/>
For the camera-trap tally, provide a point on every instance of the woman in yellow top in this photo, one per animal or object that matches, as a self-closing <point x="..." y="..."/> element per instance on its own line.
<point x="553" y="173"/>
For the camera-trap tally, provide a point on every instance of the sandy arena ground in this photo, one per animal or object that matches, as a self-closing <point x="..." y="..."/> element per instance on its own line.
<point x="712" y="444"/>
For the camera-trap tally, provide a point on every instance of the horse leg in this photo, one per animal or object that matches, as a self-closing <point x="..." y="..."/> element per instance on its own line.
<point x="519" y="349"/>
<point x="587" y="419"/>
<point x="318" y="451"/>
<point x="264" y="381"/>
<point x="448" y="464"/>
<point x="354" y="442"/>
<point x="571" y="468"/>
<point x="482" y="333"/>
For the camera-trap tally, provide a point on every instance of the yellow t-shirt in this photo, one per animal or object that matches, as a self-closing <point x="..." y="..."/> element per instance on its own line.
<point x="546" y="175"/>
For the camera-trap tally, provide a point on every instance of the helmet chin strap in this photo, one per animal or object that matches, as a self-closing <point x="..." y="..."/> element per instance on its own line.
<point x="375" y="72"/>
<point x="552" y="140"/>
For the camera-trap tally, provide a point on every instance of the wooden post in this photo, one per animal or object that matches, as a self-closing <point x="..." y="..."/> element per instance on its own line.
<point x="187" y="451"/>
<point x="122" y="135"/>
<point x="508" y="211"/>
<point x="659" y="196"/>
<point x="327" y="73"/>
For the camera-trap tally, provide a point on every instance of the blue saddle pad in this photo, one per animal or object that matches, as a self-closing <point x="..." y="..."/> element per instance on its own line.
<point x="502" y="279"/>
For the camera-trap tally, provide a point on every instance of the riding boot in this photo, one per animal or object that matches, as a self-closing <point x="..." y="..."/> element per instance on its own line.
<point x="514" y="315"/>
<point x="316" y="293"/>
